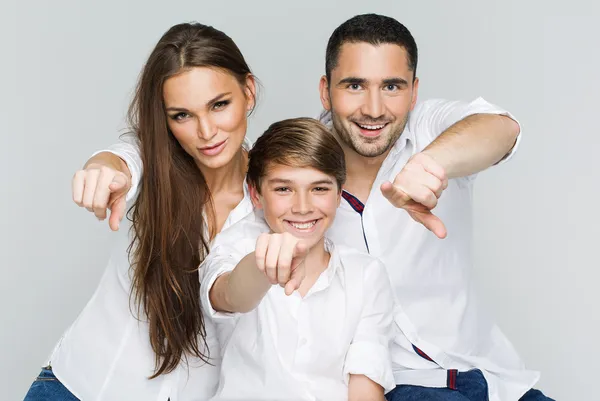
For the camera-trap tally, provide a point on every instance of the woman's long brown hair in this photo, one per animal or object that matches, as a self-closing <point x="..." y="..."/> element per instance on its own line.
<point x="170" y="233"/>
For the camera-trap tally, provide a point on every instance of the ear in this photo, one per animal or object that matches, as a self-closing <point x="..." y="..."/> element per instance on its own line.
<point x="339" y="199"/>
<point x="324" y="92"/>
<point x="250" y="91"/>
<point x="415" y="94"/>
<point x="255" y="197"/>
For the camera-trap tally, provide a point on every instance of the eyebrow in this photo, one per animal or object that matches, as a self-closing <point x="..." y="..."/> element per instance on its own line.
<point x="395" y="81"/>
<point x="209" y="103"/>
<point x="353" y="81"/>
<point x="284" y="181"/>
<point x="363" y="81"/>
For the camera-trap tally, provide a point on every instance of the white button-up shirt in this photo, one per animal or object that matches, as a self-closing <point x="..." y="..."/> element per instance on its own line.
<point x="430" y="276"/>
<point x="106" y="355"/>
<point x="438" y="312"/>
<point x="302" y="348"/>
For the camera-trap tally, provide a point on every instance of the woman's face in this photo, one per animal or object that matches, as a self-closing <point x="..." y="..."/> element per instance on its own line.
<point x="207" y="113"/>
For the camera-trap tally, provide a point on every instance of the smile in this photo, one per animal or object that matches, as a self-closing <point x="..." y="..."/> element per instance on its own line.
<point x="302" y="225"/>
<point x="371" y="127"/>
<point x="371" y="130"/>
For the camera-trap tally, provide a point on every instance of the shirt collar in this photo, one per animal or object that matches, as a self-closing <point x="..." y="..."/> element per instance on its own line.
<point x="407" y="137"/>
<point x="328" y="275"/>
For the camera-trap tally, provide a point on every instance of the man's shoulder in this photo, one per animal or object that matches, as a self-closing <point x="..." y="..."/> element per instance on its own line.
<point x="427" y="108"/>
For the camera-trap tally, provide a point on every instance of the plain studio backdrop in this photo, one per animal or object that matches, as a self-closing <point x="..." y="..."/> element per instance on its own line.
<point x="67" y="74"/>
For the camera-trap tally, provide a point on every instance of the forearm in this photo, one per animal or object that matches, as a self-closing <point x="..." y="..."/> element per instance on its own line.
<point x="361" y="388"/>
<point x="111" y="160"/>
<point x="473" y="144"/>
<point x="240" y="290"/>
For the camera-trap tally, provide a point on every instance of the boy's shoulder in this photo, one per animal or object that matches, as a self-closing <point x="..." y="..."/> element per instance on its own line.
<point x="248" y="228"/>
<point x="359" y="270"/>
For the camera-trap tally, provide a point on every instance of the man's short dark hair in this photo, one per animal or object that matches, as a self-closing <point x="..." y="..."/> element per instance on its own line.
<point x="373" y="29"/>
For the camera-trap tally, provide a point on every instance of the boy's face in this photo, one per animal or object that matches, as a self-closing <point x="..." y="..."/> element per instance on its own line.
<point x="301" y="201"/>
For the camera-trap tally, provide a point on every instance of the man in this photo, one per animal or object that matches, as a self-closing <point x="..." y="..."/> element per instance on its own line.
<point x="403" y="160"/>
<point x="407" y="201"/>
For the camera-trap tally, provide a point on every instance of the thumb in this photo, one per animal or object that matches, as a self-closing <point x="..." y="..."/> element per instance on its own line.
<point x="295" y="281"/>
<point x="387" y="189"/>
<point x="119" y="184"/>
<point x="117" y="211"/>
<point x="300" y="250"/>
<point x="394" y="195"/>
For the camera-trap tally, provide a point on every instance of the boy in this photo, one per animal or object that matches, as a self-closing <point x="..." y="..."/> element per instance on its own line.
<point x="323" y="333"/>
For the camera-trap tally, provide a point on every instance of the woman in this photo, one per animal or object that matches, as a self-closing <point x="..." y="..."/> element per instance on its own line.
<point x="142" y="335"/>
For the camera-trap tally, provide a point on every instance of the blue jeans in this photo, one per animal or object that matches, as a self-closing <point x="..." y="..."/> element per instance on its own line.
<point x="46" y="387"/>
<point x="470" y="386"/>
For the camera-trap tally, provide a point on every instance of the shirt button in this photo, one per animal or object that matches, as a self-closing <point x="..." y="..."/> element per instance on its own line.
<point x="303" y="342"/>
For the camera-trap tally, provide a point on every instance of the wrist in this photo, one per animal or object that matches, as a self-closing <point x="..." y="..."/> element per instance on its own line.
<point x="110" y="160"/>
<point x="429" y="157"/>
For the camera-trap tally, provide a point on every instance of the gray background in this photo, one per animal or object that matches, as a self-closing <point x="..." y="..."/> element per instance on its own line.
<point x="66" y="76"/>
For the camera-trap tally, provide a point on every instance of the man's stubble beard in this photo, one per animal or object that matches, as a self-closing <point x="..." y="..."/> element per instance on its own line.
<point x="361" y="145"/>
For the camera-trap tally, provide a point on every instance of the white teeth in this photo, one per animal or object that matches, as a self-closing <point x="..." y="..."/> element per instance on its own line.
<point x="303" y="226"/>
<point x="371" y="127"/>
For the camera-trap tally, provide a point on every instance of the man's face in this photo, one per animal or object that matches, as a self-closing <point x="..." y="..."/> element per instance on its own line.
<point x="370" y="96"/>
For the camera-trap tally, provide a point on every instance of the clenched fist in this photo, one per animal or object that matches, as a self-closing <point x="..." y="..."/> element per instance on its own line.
<point x="416" y="189"/>
<point x="99" y="187"/>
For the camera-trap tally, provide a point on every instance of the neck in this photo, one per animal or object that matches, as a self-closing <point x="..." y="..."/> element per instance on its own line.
<point x="228" y="178"/>
<point x="361" y="171"/>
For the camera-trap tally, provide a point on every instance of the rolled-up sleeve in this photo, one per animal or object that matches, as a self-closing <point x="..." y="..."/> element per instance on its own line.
<point x="369" y="352"/>
<point x="128" y="149"/>
<point x="436" y="115"/>
<point x="220" y="260"/>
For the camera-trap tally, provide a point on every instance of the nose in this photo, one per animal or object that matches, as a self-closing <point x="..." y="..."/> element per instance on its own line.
<point x="302" y="203"/>
<point x="206" y="129"/>
<point x="373" y="106"/>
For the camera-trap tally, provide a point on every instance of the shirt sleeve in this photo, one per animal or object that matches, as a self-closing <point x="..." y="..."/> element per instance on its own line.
<point x="435" y="116"/>
<point x="128" y="149"/>
<point x="369" y="352"/>
<point x="222" y="258"/>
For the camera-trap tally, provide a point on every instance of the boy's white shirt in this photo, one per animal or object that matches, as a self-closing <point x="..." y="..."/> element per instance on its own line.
<point x="294" y="348"/>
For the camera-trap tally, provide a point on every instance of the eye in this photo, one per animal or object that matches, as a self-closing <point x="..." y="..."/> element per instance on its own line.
<point x="321" y="189"/>
<point x="282" y="189"/>
<point x="179" y="116"/>
<point x="392" y="87"/>
<point x="221" y="104"/>
<point x="354" y="87"/>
